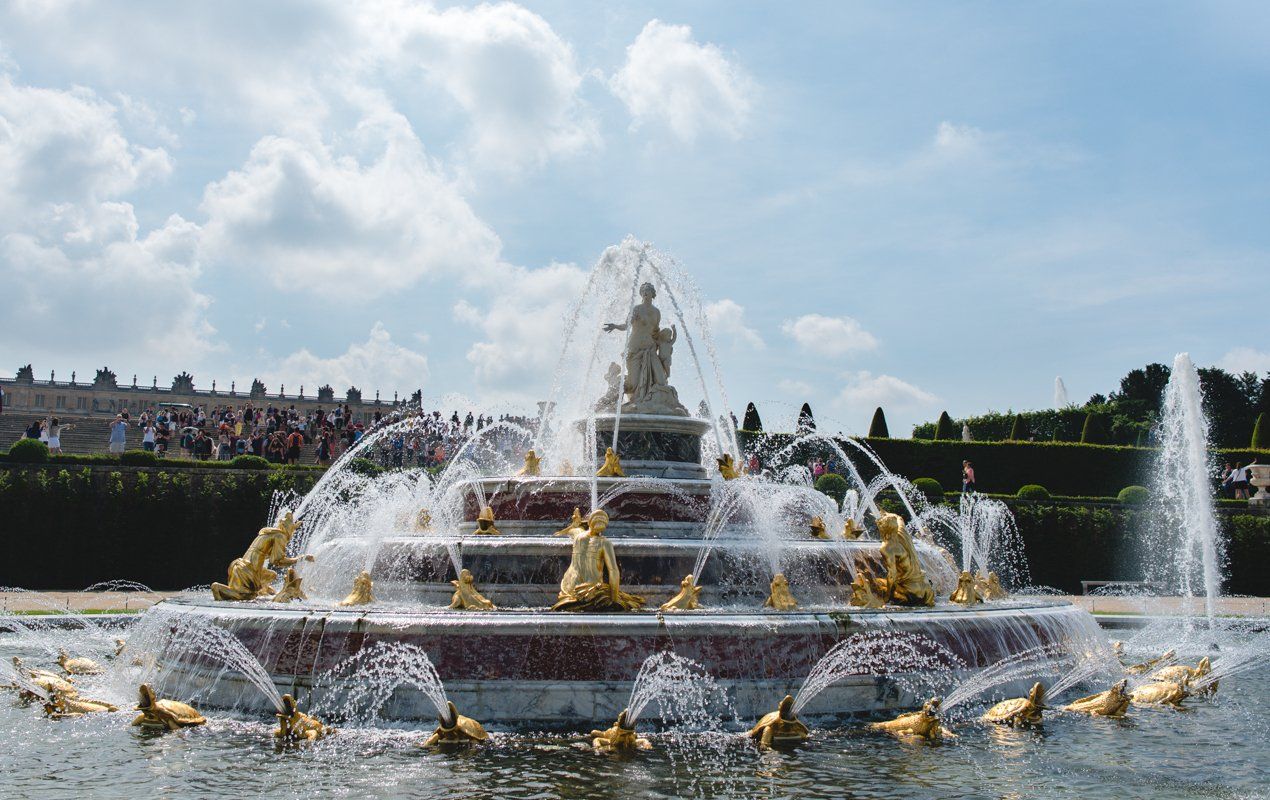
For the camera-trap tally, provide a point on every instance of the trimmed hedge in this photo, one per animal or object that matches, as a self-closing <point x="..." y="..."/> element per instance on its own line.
<point x="1134" y="496"/>
<point x="1261" y="433"/>
<point x="29" y="451"/>
<point x="116" y="459"/>
<point x="833" y="485"/>
<point x="930" y="487"/>
<point x="249" y="462"/>
<point x="166" y="529"/>
<point x="1033" y="492"/>
<point x="138" y="458"/>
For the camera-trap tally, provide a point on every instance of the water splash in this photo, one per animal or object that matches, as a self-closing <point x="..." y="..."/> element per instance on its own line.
<point x="368" y="679"/>
<point x="898" y="655"/>
<point x="687" y="695"/>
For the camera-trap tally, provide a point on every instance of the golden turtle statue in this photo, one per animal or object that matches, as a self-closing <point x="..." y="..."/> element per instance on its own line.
<point x="168" y="714"/>
<point x="293" y="725"/>
<point x="966" y="592"/>
<point x="1180" y="673"/>
<point x="780" y="597"/>
<point x="485" y="523"/>
<point x="61" y="705"/>
<point x="923" y="724"/>
<point x="363" y="591"/>
<point x="78" y="666"/>
<point x="1111" y="703"/>
<point x="454" y="728"/>
<point x="620" y="738"/>
<point x="612" y="466"/>
<point x="687" y="599"/>
<point x="1020" y="712"/>
<point x="466" y="595"/>
<point x="780" y="726"/>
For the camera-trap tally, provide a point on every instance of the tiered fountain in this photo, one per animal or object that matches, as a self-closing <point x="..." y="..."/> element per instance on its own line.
<point x="531" y="612"/>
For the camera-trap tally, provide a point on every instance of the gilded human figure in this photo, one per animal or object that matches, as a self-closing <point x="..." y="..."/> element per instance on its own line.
<point x="250" y="576"/>
<point x="905" y="584"/>
<point x="593" y="580"/>
<point x="649" y="351"/>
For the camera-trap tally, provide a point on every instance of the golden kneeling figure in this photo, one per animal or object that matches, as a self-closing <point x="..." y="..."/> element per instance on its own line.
<point x="362" y="593"/>
<point x="905" y="584"/>
<point x="593" y="580"/>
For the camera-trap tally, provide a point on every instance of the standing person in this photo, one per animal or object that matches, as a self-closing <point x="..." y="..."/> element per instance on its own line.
<point x="55" y="435"/>
<point x="118" y="434"/>
<point x="967" y="477"/>
<point x="147" y="437"/>
<point x="1227" y="481"/>
<point x="294" y="443"/>
<point x="324" y="449"/>
<point x="202" y="446"/>
<point x="1239" y="481"/>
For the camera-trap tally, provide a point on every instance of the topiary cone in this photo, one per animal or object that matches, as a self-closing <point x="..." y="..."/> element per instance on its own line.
<point x="944" y="427"/>
<point x="1261" y="433"/>
<point x="806" y="422"/>
<point x="877" y="428"/>
<point x="1093" y="431"/>
<point x="751" y="421"/>
<point x="1018" y="430"/>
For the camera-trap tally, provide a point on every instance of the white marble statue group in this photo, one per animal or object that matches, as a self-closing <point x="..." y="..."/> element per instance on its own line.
<point x="649" y="351"/>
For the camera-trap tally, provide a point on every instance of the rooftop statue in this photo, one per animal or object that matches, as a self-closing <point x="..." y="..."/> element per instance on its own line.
<point x="649" y="349"/>
<point x="593" y="581"/>
<point x="250" y="576"/>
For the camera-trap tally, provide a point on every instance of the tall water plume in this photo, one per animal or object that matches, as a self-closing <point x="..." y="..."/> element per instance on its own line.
<point x="1182" y="549"/>
<point x="1060" y="393"/>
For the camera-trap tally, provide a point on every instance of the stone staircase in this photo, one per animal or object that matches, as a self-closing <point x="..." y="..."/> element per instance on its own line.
<point x="85" y="435"/>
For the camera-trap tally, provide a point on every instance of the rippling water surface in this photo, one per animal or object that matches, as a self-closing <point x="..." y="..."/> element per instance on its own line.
<point x="1217" y="749"/>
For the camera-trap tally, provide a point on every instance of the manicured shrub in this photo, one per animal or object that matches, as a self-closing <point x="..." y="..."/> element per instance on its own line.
<point x="1034" y="492"/>
<point x="877" y="428"/>
<point x="247" y="461"/>
<point x="365" y="467"/>
<point x="29" y="451"/>
<point x="1018" y="430"/>
<point x="1093" y="432"/>
<point x="833" y="485"/>
<point x="1261" y="433"/>
<point x="931" y="488"/>
<point x="138" y="458"/>
<point x="1133" y="495"/>
<point x="944" y="428"/>
<point x="752" y="421"/>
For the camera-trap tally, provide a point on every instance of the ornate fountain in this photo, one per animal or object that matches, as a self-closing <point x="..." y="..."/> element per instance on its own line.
<point x="542" y="568"/>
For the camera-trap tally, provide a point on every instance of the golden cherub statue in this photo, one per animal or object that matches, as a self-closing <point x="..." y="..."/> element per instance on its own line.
<point x="250" y="576"/>
<point x="780" y="597"/>
<point x="466" y="596"/>
<point x="423" y="521"/>
<point x="291" y="588"/>
<point x="924" y="724"/>
<point x="485" y="523"/>
<point x="966" y="593"/>
<point x="989" y="587"/>
<point x="851" y="530"/>
<point x="727" y="467"/>
<point x="864" y="593"/>
<point x="294" y="725"/>
<point x="532" y="467"/>
<point x="593" y="580"/>
<point x="620" y="738"/>
<point x="454" y="728"/>
<point x="1111" y="703"/>
<point x="169" y="714"/>
<point x="817" y="526"/>
<point x="780" y="726"/>
<point x="362" y="593"/>
<point x="905" y="584"/>
<point x="612" y="467"/>
<point x="687" y="597"/>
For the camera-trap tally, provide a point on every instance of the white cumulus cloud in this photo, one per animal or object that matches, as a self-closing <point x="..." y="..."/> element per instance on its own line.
<point x="727" y="324"/>
<point x="691" y="88"/>
<point x="310" y="217"/>
<point x="1245" y="359"/>
<point x="864" y="390"/>
<point x="379" y="363"/>
<point x="829" y="336"/>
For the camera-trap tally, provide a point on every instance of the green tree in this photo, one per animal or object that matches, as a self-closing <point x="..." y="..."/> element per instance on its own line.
<point x="944" y="428"/>
<point x="1227" y="405"/>
<point x="877" y="428"/>
<point x="1018" y="430"/>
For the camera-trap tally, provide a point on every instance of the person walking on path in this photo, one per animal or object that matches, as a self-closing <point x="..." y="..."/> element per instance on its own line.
<point x="118" y="435"/>
<point x="967" y="477"/>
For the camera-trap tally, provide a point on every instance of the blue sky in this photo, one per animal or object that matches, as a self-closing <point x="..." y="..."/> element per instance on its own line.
<point x="918" y="205"/>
